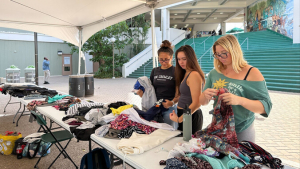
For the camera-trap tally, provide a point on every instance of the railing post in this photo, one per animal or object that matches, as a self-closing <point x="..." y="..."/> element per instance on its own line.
<point x="247" y="43"/>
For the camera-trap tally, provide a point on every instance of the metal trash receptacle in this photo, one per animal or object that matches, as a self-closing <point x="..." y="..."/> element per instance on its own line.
<point x="12" y="75"/>
<point x="29" y="75"/>
<point x="89" y="85"/>
<point x="77" y="85"/>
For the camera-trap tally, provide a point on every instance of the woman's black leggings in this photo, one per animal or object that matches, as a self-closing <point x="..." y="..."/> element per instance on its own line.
<point x="197" y="120"/>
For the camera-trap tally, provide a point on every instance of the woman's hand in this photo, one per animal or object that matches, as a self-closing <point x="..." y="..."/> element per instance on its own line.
<point x="174" y="117"/>
<point x="140" y="93"/>
<point x="167" y="104"/>
<point x="231" y="99"/>
<point x="209" y="93"/>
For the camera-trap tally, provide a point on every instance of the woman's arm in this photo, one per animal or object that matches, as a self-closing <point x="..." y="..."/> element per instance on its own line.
<point x="170" y="103"/>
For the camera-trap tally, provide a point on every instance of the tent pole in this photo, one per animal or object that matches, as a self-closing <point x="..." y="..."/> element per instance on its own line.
<point x="36" y="59"/>
<point x="79" y="52"/>
<point x="153" y="37"/>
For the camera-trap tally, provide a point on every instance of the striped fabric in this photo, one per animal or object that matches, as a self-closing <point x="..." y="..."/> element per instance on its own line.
<point x="74" y="109"/>
<point x="259" y="155"/>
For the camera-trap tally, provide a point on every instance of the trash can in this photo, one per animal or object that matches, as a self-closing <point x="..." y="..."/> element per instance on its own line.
<point x="29" y="75"/>
<point x="12" y="75"/>
<point x="89" y="85"/>
<point x="77" y="85"/>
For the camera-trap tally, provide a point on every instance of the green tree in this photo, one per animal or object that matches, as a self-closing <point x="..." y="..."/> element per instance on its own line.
<point x="138" y="31"/>
<point x="100" y="46"/>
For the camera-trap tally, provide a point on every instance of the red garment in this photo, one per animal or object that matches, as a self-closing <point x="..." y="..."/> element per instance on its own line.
<point x="122" y="122"/>
<point x="222" y="125"/>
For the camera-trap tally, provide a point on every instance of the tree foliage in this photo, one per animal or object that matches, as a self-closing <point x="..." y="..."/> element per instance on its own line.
<point x="101" y="47"/>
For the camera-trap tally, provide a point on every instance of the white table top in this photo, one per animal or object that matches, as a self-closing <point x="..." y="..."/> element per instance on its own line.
<point x="148" y="160"/>
<point x="50" y="112"/>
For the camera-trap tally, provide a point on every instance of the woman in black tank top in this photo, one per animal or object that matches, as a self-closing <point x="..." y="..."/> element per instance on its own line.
<point x="189" y="81"/>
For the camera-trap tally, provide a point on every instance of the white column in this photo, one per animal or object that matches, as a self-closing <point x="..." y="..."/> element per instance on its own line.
<point x="245" y="19"/>
<point x="165" y="24"/>
<point x="223" y="27"/>
<point x="296" y="26"/>
<point x="154" y="46"/>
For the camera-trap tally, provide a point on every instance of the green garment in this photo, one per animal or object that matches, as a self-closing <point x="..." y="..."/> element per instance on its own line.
<point x="56" y="97"/>
<point x="252" y="90"/>
<point x="225" y="163"/>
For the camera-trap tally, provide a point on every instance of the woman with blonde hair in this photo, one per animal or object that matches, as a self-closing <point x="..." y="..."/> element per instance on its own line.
<point x="189" y="82"/>
<point x="248" y="93"/>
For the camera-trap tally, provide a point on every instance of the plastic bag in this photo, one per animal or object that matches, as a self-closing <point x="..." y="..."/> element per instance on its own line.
<point x="7" y="142"/>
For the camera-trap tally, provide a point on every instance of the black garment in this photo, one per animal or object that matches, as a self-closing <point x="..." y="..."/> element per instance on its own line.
<point x="163" y="81"/>
<point x="154" y="113"/>
<point x="83" y="134"/>
<point x="115" y="106"/>
<point x="220" y="32"/>
<point x="197" y="120"/>
<point x="213" y="33"/>
<point x="185" y="93"/>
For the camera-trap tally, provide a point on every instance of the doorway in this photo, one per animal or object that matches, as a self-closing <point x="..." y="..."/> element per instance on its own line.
<point x="67" y="64"/>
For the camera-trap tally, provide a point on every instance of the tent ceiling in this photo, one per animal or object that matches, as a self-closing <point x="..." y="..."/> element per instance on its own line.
<point x="61" y="18"/>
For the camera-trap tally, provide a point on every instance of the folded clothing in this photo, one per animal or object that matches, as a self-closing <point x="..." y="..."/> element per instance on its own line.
<point x="139" y="143"/>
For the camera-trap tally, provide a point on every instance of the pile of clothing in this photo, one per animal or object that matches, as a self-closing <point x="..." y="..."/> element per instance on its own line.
<point x="218" y="145"/>
<point x="23" y="89"/>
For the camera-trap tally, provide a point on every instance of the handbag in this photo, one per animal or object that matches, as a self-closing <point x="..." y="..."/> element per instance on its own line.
<point x="7" y="142"/>
<point x="35" y="147"/>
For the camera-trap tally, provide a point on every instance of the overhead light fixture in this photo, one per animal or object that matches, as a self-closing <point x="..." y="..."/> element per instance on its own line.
<point x="194" y="18"/>
<point x="198" y="13"/>
<point x="221" y="13"/>
<point x="175" y="14"/>
<point x="215" y="17"/>
<point x="59" y="53"/>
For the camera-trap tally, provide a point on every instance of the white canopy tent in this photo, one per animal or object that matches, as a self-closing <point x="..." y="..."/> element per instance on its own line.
<point x="74" y="21"/>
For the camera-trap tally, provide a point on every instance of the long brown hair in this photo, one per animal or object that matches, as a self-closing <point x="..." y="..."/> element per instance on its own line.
<point x="191" y="63"/>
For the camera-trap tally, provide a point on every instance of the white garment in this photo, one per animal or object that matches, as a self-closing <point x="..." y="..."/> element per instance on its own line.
<point x="101" y="131"/>
<point x="149" y="96"/>
<point x="139" y="143"/>
<point x="70" y="120"/>
<point x="33" y="137"/>
<point x="86" y="125"/>
<point x="134" y="116"/>
<point x="74" y="108"/>
<point x="46" y="75"/>
<point x="108" y="118"/>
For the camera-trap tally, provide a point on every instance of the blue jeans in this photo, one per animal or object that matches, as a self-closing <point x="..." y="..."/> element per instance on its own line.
<point x="166" y="117"/>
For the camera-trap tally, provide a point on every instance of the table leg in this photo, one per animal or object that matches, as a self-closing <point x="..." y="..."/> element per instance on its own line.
<point x="20" y="115"/>
<point x="7" y="104"/>
<point x="17" y="112"/>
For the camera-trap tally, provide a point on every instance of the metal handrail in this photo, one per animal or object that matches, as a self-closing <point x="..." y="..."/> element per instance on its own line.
<point x="211" y="50"/>
<point x="177" y="37"/>
<point x="202" y="42"/>
<point x="203" y="55"/>
<point x="145" y="67"/>
<point x="244" y="41"/>
<point x="186" y="41"/>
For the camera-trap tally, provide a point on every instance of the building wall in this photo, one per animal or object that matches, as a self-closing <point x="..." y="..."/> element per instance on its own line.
<point x="21" y="54"/>
<point x="276" y="15"/>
